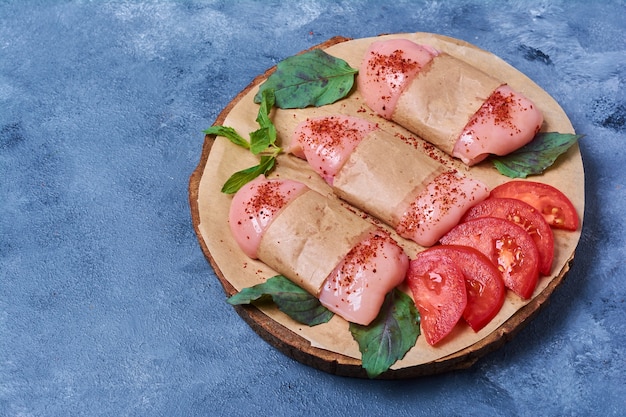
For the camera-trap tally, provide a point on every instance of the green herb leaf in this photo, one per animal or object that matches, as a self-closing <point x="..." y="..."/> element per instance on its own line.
<point x="268" y="99"/>
<point x="535" y="157"/>
<point x="264" y="137"/>
<point x="288" y="297"/>
<point x="262" y="141"/>
<point x="229" y="133"/>
<point x="241" y="178"/>
<point x="390" y="336"/>
<point x="313" y="78"/>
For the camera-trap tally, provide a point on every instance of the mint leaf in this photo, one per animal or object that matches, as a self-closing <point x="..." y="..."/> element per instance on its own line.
<point x="268" y="99"/>
<point x="535" y="157"/>
<point x="229" y="133"/>
<point x="265" y="136"/>
<point x="241" y="178"/>
<point x="313" y="78"/>
<point x="390" y="336"/>
<point x="288" y="297"/>
<point x="262" y="141"/>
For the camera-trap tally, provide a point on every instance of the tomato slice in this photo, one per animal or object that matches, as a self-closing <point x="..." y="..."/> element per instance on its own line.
<point x="555" y="207"/>
<point x="507" y="245"/>
<point x="524" y="215"/>
<point x="483" y="282"/>
<point x="438" y="287"/>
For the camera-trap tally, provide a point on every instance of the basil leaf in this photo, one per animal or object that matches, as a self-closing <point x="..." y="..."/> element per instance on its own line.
<point x="229" y="133"/>
<point x="535" y="157"/>
<point x="241" y="178"/>
<point x="288" y="297"/>
<point x="390" y="336"/>
<point x="313" y="78"/>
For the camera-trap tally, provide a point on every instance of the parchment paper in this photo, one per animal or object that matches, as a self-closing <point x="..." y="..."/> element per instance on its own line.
<point x="226" y="158"/>
<point x="383" y="175"/>
<point x="310" y="237"/>
<point x="442" y="98"/>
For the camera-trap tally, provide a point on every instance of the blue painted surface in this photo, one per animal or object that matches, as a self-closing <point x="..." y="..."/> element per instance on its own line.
<point x="107" y="304"/>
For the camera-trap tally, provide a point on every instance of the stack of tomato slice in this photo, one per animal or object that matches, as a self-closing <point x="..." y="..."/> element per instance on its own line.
<point x="504" y="242"/>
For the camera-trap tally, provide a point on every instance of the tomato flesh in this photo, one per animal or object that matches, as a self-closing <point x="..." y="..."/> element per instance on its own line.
<point x="555" y="207"/>
<point x="438" y="288"/>
<point x="483" y="282"/>
<point x="524" y="215"/>
<point x="507" y="245"/>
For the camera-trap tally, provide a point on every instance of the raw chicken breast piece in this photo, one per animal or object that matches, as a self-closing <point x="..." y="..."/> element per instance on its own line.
<point x="357" y="286"/>
<point x="327" y="142"/>
<point x="505" y="122"/>
<point x="334" y="254"/>
<point x="388" y="178"/>
<point x="254" y="207"/>
<point x="390" y="66"/>
<point x="439" y="207"/>
<point x="455" y="106"/>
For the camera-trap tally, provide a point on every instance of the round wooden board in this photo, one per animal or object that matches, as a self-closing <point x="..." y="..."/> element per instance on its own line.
<point x="329" y="347"/>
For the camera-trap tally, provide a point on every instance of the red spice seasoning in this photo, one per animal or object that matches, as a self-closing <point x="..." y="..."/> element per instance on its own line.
<point x="267" y="201"/>
<point x="391" y="69"/>
<point x="497" y="109"/>
<point x="331" y="132"/>
<point x="360" y="258"/>
<point x="446" y="195"/>
<point x="329" y="137"/>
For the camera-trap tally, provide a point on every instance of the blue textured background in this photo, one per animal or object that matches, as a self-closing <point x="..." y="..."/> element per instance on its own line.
<point x="107" y="304"/>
